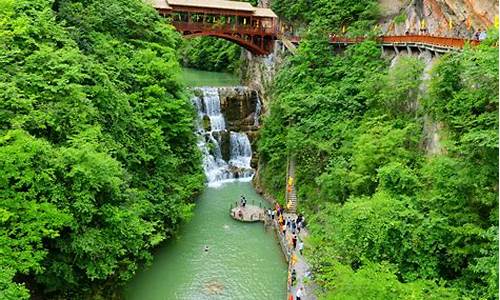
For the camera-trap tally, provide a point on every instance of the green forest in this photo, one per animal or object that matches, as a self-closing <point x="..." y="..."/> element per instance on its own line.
<point x="98" y="158"/>
<point x="397" y="161"/>
<point x="392" y="215"/>
<point x="210" y="54"/>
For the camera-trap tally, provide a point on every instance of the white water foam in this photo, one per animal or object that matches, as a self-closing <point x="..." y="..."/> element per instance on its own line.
<point x="217" y="170"/>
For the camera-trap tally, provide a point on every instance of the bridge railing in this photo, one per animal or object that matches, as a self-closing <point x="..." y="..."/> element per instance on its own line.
<point x="241" y="29"/>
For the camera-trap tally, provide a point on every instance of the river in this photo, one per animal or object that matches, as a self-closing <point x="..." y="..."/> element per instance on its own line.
<point x="243" y="260"/>
<point x="193" y="77"/>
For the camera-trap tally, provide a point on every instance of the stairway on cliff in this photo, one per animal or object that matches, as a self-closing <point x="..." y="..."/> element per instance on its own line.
<point x="291" y="192"/>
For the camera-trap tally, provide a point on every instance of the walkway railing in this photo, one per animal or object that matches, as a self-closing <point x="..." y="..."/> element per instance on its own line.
<point x="430" y="40"/>
<point x="445" y="42"/>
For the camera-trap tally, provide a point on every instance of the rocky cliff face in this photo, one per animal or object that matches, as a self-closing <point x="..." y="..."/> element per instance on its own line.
<point x="258" y="72"/>
<point x="439" y="17"/>
<point x="432" y="141"/>
<point x="241" y="107"/>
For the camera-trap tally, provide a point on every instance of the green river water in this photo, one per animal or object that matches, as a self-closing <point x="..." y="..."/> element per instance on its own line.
<point x="193" y="77"/>
<point x="243" y="261"/>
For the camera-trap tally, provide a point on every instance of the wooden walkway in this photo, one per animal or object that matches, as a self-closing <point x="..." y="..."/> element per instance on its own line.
<point x="429" y="42"/>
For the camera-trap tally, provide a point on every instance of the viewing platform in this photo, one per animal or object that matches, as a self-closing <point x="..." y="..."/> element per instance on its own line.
<point x="248" y="213"/>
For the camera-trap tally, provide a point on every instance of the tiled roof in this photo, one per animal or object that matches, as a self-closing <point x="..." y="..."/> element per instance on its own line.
<point x="220" y="4"/>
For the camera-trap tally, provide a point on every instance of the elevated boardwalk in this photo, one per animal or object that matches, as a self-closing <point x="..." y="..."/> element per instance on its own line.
<point x="432" y="43"/>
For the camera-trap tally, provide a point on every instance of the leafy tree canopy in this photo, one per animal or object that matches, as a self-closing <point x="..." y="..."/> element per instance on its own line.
<point x="99" y="161"/>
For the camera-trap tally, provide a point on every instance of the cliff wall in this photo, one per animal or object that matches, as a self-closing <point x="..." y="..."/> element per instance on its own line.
<point x="439" y="17"/>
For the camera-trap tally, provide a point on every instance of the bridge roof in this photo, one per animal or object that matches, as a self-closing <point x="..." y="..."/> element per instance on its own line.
<point x="264" y="12"/>
<point x="217" y="4"/>
<point x="159" y="4"/>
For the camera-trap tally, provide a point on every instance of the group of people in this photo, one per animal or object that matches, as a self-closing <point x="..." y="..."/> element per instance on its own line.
<point x="479" y="35"/>
<point x="293" y="226"/>
<point x="243" y="203"/>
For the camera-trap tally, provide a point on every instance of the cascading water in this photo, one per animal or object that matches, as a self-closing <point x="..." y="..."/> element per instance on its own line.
<point x="211" y="129"/>
<point x="241" y="154"/>
<point x="258" y="109"/>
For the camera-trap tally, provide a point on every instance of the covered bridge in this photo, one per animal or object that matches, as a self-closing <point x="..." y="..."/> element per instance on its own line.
<point x="251" y="27"/>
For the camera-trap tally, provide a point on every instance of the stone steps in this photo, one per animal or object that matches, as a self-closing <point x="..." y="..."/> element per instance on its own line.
<point x="292" y="195"/>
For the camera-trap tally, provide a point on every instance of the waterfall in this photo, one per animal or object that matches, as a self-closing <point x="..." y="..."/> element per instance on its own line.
<point x="241" y="151"/>
<point x="212" y="136"/>
<point x="258" y="108"/>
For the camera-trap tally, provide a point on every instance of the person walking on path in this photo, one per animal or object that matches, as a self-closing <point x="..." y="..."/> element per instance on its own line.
<point x="476" y="35"/>
<point x="300" y="293"/>
<point x="294" y="226"/>
<point x="294" y="241"/>
<point x="482" y="35"/>
<point x="301" y="247"/>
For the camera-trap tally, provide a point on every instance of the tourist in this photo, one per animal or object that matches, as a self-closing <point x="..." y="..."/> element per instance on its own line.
<point x="476" y="35"/>
<point x="240" y="214"/>
<point x="294" y="276"/>
<point x="294" y="226"/>
<point x="294" y="241"/>
<point x="273" y="213"/>
<point x="288" y="224"/>
<point x="482" y="35"/>
<point x="299" y="218"/>
<point x="300" y="293"/>
<point x="206" y="248"/>
<point x="301" y="247"/>
<point x="283" y="230"/>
